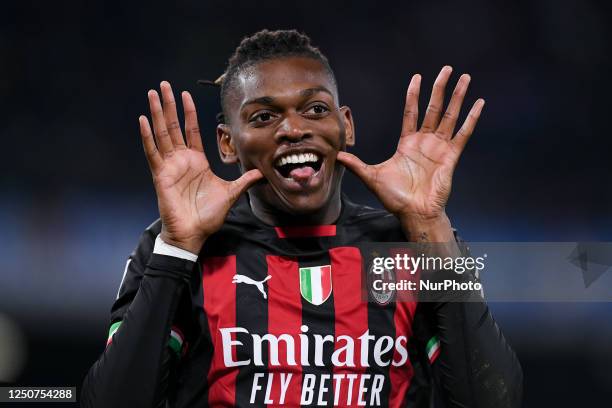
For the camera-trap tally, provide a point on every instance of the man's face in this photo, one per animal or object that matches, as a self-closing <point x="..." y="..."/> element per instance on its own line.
<point x="284" y="120"/>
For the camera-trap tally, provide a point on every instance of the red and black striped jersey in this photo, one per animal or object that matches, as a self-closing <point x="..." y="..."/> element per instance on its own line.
<point x="275" y="316"/>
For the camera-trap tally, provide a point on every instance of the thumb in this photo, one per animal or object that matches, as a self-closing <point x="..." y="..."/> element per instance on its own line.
<point x="354" y="164"/>
<point x="245" y="181"/>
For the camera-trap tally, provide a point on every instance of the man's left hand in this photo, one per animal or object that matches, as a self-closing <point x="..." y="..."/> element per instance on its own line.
<point x="415" y="183"/>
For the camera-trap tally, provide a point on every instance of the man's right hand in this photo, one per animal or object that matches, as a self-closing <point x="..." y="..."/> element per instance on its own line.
<point x="193" y="202"/>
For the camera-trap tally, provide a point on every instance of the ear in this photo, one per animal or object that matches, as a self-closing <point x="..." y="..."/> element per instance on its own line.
<point x="349" y="125"/>
<point x="225" y="143"/>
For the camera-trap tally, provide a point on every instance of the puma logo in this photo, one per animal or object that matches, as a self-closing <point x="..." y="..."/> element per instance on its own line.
<point x="259" y="284"/>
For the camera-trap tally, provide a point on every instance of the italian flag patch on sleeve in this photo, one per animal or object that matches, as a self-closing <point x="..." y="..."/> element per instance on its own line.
<point x="111" y="332"/>
<point x="433" y="349"/>
<point x="175" y="342"/>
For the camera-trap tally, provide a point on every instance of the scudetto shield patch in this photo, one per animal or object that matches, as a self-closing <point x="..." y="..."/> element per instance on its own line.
<point x="316" y="283"/>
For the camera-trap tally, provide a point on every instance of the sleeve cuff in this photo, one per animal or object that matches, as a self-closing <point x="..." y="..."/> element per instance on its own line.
<point x="170" y="267"/>
<point x="161" y="248"/>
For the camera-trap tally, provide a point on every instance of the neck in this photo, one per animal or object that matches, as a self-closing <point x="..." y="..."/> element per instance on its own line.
<point x="270" y="215"/>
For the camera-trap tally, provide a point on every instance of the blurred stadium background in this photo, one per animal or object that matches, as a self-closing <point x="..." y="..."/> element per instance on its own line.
<point x="76" y="193"/>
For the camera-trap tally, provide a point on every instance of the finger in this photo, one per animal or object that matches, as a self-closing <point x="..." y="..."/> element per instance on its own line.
<point x="162" y="137"/>
<point x="192" y="130"/>
<point x="354" y="164"/>
<point x="434" y="108"/>
<point x="170" y="115"/>
<point x="152" y="154"/>
<point x="449" y="120"/>
<point x="240" y="185"/>
<point x="463" y="134"/>
<point x="411" y="109"/>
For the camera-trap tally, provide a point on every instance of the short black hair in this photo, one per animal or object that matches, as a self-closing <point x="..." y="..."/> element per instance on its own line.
<point x="266" y="45"/>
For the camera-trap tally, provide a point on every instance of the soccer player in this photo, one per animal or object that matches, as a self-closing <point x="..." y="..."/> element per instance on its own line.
<point x="248" y="292"/>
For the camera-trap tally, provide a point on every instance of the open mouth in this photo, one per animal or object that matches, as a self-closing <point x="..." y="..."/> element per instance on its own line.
<point x="298" y="166"/>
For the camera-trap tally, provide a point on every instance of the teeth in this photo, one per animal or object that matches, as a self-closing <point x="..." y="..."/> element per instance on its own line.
<point x="298" y="158"/>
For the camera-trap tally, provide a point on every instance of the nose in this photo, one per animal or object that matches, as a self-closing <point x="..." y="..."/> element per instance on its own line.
<point x="292" y="129"/>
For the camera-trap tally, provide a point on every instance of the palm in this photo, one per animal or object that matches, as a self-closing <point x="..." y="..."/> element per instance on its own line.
<point x="182" y="185"/>
<point x="193" y="202"/>
<point x="416" y="180"/>
<point x="417" y="176"/>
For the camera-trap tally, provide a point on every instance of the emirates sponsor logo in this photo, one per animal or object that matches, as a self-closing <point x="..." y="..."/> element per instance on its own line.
<point x="345" y="388"/>
<point x="343" y="355"/>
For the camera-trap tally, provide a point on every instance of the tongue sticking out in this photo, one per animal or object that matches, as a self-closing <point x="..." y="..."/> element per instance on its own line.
<point x="302" y="174"/>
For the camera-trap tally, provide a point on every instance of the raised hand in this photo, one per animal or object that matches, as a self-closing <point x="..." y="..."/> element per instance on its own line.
<point x="415" y="182"/>
<point x="193" y="202"/>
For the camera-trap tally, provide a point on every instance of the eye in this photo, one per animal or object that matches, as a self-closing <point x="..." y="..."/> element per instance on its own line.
<point x="261" y="117"/>
<point x="317" y="109"/>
